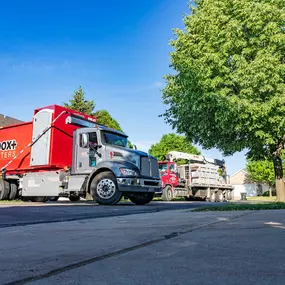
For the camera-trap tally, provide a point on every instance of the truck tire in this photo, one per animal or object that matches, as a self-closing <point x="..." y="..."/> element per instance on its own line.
<point x="141" y="198"/>
<point x="167" y="193"/>
<point x="229" y="195"/>
<point x="74" y="198"/>
<point x="38" y="199"/>
<point x="4" y="190"/>
<point x="212" y="196"/>
<point x="221" y="197"/>
<point x="13" y="191"/>
<point x="104" y="189"/>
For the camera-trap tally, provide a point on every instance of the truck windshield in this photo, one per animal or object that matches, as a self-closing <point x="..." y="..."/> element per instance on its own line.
<point x="115" y="139"/>
<point x="163" y="167"/>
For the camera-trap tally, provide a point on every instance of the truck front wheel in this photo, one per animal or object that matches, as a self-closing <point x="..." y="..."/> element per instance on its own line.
<point x="141" y="198"/>
<point x="104" y="189"/>
<point x="167" y="194"/>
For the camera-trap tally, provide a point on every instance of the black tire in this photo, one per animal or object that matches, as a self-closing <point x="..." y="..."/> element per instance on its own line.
<point x="74" y="198"/>
<point x="13" y="191"/>
<point x="53" y="199"/>
<point x="4" y="190"/>
<point x="141" y="198"/>
<point x="104" y="189"/>
<point x="38" y="199"/>
<point x="167" y="193"/>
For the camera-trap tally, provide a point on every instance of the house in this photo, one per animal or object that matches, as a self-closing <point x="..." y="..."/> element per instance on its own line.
<point x="6" y="121"/>
<point x="242" y="184"/>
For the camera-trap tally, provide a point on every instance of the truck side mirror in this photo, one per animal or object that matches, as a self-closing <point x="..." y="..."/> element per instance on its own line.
<point x="135" y="147"/>
<point x="84" y="140"/>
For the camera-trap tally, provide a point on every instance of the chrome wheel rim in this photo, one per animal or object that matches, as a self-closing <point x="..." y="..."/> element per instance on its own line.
<point x="106" y="188"/>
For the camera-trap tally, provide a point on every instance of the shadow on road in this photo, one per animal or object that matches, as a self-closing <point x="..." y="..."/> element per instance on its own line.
<point x="36" y="213"/>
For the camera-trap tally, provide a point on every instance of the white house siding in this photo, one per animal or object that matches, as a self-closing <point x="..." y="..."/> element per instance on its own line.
<point x="250" y="190"/>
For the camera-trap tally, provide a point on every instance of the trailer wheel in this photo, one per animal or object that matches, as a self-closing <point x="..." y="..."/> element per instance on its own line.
<point x="229" y="195"/>
<point x="104" y="189"/>
<point x="213" y="196"/>
<point x="4" y="190"/>
<point x="74" y="198"/>
<point x="221" y="197"/>
<point x="38" y="199"/>
<point x="167" y="193"/>
<point x="141" y="198"/>
<point x="13" y="191"/>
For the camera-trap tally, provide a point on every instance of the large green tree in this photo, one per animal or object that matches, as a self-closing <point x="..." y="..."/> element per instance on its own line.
<point x="79" y="103"/>
<point x="228" y="90"/>
<point x="261" y="171"/>
<point x="170" y="142"/>
<point x="104" y="118"/>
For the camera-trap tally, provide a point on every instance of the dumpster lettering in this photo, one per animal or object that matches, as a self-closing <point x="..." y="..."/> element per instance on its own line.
<point x="7" y="154"/>
<point x="8" y="145"/>
<point x="7" y="149"/>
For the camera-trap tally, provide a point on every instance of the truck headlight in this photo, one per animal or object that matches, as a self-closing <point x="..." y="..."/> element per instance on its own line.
<point x="128" y="172"/>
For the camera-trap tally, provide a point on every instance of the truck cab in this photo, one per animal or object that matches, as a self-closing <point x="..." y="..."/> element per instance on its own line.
<point x="168" y="173"/>
<point x="104" y="153"/>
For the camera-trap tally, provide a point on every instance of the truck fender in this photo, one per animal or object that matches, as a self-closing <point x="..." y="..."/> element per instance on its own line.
<point x="112" y="166"/>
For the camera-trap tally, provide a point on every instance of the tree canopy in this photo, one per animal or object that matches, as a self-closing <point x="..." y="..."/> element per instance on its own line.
<point x="228" y="90"/>
<point x="170" y="142"/>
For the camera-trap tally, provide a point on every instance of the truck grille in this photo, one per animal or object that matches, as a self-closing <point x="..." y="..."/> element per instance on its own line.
<point x="149" y="167"/>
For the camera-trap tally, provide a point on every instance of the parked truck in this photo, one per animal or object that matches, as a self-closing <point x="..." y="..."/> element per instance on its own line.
<point x="198" y="177"/>
<point x="65" y="153"/>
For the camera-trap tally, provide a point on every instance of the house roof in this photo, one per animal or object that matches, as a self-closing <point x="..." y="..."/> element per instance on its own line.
<point x="241" y="170"/>
<point x="6" y="121"/>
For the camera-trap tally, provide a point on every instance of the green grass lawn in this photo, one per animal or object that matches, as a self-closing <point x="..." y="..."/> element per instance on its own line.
<point x="242" y="207"/>
<point x="11" y="202"/>
<point x="261" y="198"/>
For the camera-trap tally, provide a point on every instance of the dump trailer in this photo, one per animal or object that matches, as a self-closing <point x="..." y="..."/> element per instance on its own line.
<point x="65" y="153"/>
<point x="200" y="177"/>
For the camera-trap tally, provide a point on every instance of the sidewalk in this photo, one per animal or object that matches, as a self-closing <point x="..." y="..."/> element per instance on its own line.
<point x="175" y="247"/>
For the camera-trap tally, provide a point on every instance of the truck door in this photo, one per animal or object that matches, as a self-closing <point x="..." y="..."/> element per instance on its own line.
<point x="173" y="174"/>
<point x="87" y="152"/>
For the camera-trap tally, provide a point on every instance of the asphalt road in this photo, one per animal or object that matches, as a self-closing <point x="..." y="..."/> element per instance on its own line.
<point x="38" y="213"/>
<point x="168" y="247"/>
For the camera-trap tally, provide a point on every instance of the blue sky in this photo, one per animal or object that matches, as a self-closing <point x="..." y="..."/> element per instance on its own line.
<point x="116" y="50"/>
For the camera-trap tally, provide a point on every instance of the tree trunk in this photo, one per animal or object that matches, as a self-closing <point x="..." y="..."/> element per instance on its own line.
<point x="278" y="169"/>
<point x="270" y="191"/>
